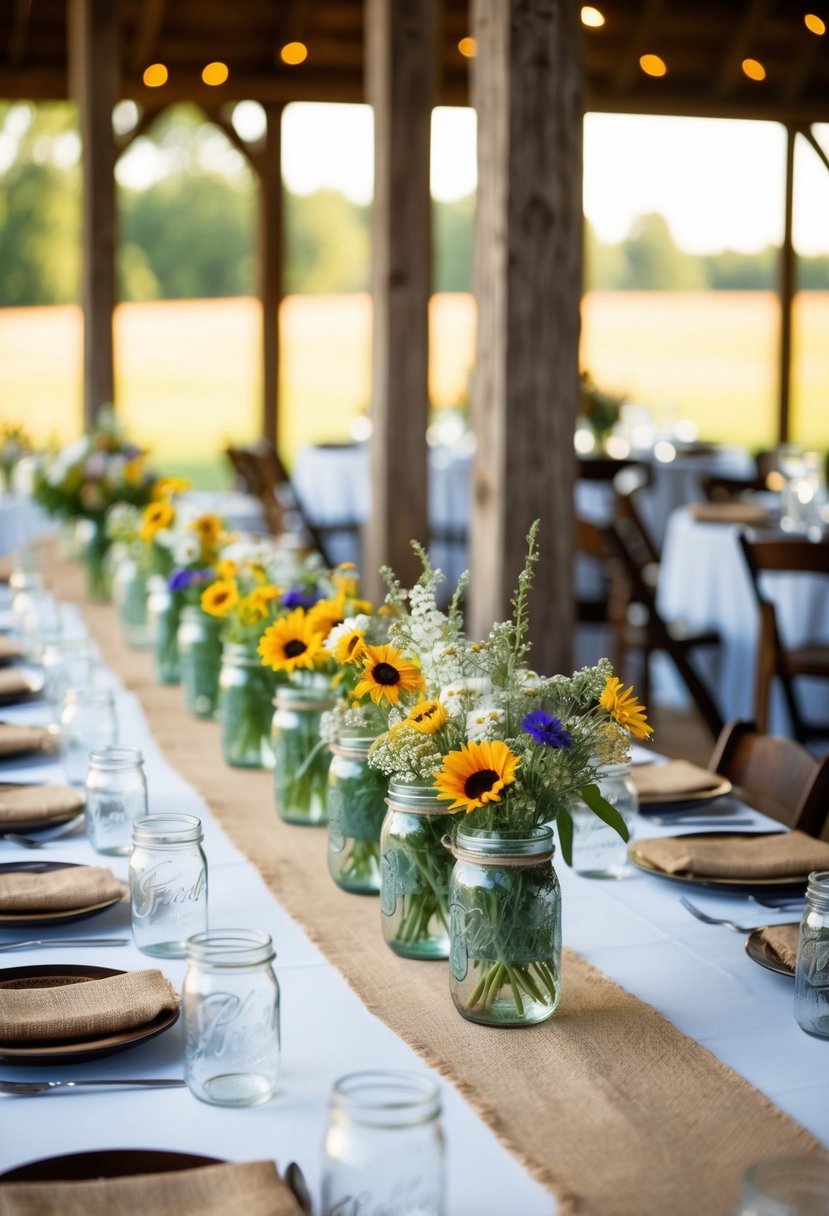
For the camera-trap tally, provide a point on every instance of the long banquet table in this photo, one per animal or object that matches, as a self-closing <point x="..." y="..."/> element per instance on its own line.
<point x="698" y="978"/>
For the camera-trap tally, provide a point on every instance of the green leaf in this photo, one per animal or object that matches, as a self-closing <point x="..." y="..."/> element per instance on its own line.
<point x="590" y="795"/>
<point x="564" y="823"/>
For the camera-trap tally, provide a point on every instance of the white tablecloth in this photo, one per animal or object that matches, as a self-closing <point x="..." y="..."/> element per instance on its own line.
<point x="21" y="521"/>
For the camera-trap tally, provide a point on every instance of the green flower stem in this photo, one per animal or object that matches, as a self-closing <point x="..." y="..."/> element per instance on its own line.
<point x="362" y="859"/>
<point x="519" y="977"/>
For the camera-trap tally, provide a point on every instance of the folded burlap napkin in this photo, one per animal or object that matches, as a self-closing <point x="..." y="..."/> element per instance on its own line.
<point x="9" y="649"/>
<point x="729" y="513"/>
<point x="13" y="681"/>
<point x="254" y="1188"/>
<point x="59" y="890"/>
<point x="781" y="943"/>
<point x="17" y="740"/>
<point x="655" y="781"/>
<point x="66" y="1008"/>
<point x="781" y="855"/>
<point x="26" y="803"/>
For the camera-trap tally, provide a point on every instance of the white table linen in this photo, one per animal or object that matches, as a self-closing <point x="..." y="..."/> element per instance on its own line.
<point x="21" y="521"/>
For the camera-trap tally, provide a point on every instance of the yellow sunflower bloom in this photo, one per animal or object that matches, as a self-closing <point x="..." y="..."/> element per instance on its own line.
<point x="427" y="717"/>
<point x="157" y="516"/>
<point x="256" y="605"/>
<point x="227" y="569"/>
<point x="350" y="647"/>
<point x="220" y="597"/>
<point x="134" y="470"/>
<point x="208" y="528"/>
<point x="290" y="643"/>
<point x="476" y="775"/>
<point x="625" y="709"/>
<point x="165" y="487"/>
<point x="386" y="673"/>
<point x="324" y="615"/>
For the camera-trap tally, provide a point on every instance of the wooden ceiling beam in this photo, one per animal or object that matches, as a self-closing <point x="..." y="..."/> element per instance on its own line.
<point x="645" y="100"/>
<point x="148" y="27"/>
<point x="728" y="73"/>
<point x="292" y="27"/>
<point x="20" y="32"/>
<point x="802" y="67"/>
<point x="252" y="154"/>
<point x="639" y="42"/>
<point x="146" y="119"/>
<point x="809" y="135"/>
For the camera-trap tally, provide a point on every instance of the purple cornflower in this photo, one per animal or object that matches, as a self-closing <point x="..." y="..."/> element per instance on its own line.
<point x="180" y="580"/>
<point x="546" y="729"/>
<point x="297" y="598"/>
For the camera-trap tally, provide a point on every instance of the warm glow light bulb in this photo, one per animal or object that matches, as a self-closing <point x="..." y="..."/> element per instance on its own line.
<point x="592" y="17"/>
<point x="815" y="24"/>
<point x="294" y="53"/>
<point x="754" y="69"/>
<point x="653" y="65"/>
<point x="215" y="73"/>
<point x="468" y="47"/>
<point x="155" y="76"/>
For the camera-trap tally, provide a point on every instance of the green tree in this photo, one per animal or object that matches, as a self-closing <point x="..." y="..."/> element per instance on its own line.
<point x="654" y="263"/>
<point x="328" y="243"/>
<point x="452" y="231"/>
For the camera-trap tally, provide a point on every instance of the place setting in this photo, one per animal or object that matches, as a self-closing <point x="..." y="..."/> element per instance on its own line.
<point x="739" y="862"/>
<point x="47" y="811"/>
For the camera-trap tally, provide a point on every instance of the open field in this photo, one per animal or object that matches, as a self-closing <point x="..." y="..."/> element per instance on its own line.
<point x="188" y="370"/>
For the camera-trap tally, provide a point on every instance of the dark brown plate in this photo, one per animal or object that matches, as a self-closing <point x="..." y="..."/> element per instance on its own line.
<point x="106" y="1163"/>
<point x="24" y="920"/>
<point x="76" y="1051"/>
<point x="758" y="951"/>
<point x="744" y="886"/>
<point x="676" y="802"/>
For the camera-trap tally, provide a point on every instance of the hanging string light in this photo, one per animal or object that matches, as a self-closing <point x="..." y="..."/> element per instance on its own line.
<point x="754" y="69"/>
<point x="293" y="53"/>
<point x="592" y="17"/>
<point x="653" y="65"/>
<point x="155" y="75"/>
<point x="468" y="47"/>
<point x="215" y="73"/>
<point x="814" y="24"/>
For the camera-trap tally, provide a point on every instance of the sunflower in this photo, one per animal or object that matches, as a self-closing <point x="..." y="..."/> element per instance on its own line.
<point x="427" y="717"/>
<point x="324" y="615"/>
<point x="208" y="528"/>
<point x="165" y="487"/>
<point x="220" y="597"/>
<point x="157" y="516"/>
<point x="625" y="709"/>
<point x="290" y="643"/>
<point x="256" y="605"/>
<point x="350" y="647"/>
<point x="386" y="673"/>
<point x="227" y="568"/>
<point x="476" y="774"/>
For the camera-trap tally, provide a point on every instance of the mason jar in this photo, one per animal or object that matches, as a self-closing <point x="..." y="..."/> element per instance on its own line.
<point x="230" y="1004"/>
<point x="68" y="663"/>
<point x="41" y="624"/>
<point x="301" y="758"/>
<point x="598" y="850"/>
<point x="356" y="808"/>
<point x="163" y="612"/>
<point x="129" y="595"/>
<point x="200" y="659"/>
<point x="414" y="872"/>
<point x="811" y="977"/>
<point x="785" y="1186"/>
<point x="87" y="724"/>
<point x="168" y="884"/>
<point x="505" y="927"/>
<point x="246" y="691"/>
<point x="384" y="1151"/>
<point x="116" y="795"/>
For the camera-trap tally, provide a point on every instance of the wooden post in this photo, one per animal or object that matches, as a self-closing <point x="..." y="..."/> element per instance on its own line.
<point x="400" y="76"/>
<point x="270" y="263"/>
<point x="786" y="289"/>
<point x="527" y="88"/>
<point x="93" y="60"/>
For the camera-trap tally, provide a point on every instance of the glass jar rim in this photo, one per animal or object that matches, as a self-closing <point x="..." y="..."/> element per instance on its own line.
<point x="115" y="756"/>
<point x="765" y="1179"/>
<point x="231" y="948"/>
<point x="411" y="795"/>
<point x="817" y="890"/>
<point x="288" y="696"/>
<point x="167" y="830"/>
<point x="242" y="654"/>
<point x="89" y="696"/>
<point x="487" y="843"/>
<point x="386" y="1098"/>
<point x="356" y="739"/>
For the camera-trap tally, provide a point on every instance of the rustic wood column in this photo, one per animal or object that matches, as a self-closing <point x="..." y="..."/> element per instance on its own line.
<point x="527" y="89"/>
<point x="786" y="289"/>
<point x="400" y="79"/>
<point x="270" y="267"/>
<point x="93" y="71"/>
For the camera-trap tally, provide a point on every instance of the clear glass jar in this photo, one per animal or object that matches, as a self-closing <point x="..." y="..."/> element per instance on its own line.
<point x="68" y="663"/>
<point x="301" y="758"/>
<point x="230" y="1003"/>
<point x="598" y="850"/>
<point x="356" y="809"/>
<point x="41" y="623"/>
<point x="87" y="724"/>
<point x="246" y="691"/>
<point x="785" y="1186"/>
<point x="98" y="587"/>
<point x="116" y="795"/>
<point x="415" y="869"/>
<point x="383" y="1151"/>
<point x="163" y="613"/>
<point x="129" y="595"/>
<point x="811" y="977"/>
<point x="200" y="659"/>
<point x="505" y="927"/>
<point x="168" y="884"/>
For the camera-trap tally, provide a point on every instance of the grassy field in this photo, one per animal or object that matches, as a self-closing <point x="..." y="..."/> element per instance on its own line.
<point x="188" y="371"/>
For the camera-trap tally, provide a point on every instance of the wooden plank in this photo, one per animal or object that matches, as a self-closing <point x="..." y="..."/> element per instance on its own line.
<point x="786" y="290"/>
<point x="145" y="120"/>
<point x="20" y="32"/>
<point x="800" y="72"/>
<point x="148" y="28"/>
<point x="809" y="135"/>
<point x="252" y="154"/>
<point x="640" y="40"/>
<point x="729" y="73"/>
<point x="527" y="88"/>
<point x="270" y="268"/>
<point x="400" y="59"/>
<point x="93" y="58"/>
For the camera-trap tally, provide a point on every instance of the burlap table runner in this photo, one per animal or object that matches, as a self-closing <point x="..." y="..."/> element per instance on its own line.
<point x="749" y="513"/>
<point x="607" y="1104"/>
<point x="780" y="855"/>
<point x="14" y="682"/>
<point x="781" y="942"/>
<point x="254" y="1189"/>
<point x="655" y="781"/>
<point x="59" y="890"/>
<point x="82" y="1009"/>
<point x="27" y="803"/>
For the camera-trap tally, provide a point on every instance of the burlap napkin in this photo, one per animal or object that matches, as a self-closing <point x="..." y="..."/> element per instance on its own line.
<point x="59" y="890"/>
<point x="27" y="803"/>
<point x="781" y="943"/>
<point x="9" y="649"/>
<point x="750" y="513"/>
<point x="254" y="1188"/>
<point x="66" y="1008"/>
<point x="656" y="781"/>
<point x="781" y="855"/>
<point x="14" y="682"/>
<point x="17" y="740"/>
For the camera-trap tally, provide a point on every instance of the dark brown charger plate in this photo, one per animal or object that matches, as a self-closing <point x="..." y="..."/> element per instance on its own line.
<point x="74" y="1051"/>
<point x="742" y="885"/>
<point x="676" y="802"/>
<point x="24" y="920"/>
<point x="758" y="951"/>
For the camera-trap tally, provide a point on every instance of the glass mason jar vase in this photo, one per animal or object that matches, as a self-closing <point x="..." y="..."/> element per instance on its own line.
<point x="87" y="724"/>
<point x="168" y="884"/>
<point x="200" y="660"/>
<point x="383" y="1151"/>
<point x="598" y="850"/>
<point x="129" y="595"/>
<point x="163" y="614"/>
<point x="98" y="586"/>
<point x="246" y="691"/>
<point x="811" y="983"/>
<point x="505" y="929"/>
<point x="301" y="758"/>
<point x="230" y="1002"/>
<point x="356" y="809"/>
<point x="116" y="795"/>
<point x="414" y="872"/>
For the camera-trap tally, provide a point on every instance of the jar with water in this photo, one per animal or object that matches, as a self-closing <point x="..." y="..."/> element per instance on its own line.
<point x="811" y="982"/>
<point x="598" y="850"/>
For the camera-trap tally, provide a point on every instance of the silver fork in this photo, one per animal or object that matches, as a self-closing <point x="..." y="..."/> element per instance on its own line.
<point x="65" y="941"/>
<point x="693" y="821"/>
<point x="29" y="1089"/>
<point x="30" y="842"/>
<point x="715" y="920"/>
<point x="781" y="904"/>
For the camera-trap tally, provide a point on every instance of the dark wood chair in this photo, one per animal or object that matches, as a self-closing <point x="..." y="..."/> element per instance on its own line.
<point x="775" y="660"/>
<point x="730" y="489"/>
<point x="779" y="775"/>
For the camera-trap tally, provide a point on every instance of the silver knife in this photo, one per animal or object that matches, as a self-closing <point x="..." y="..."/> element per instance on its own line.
<point x="65" y="942"/>
<point x="29" y="1089"/>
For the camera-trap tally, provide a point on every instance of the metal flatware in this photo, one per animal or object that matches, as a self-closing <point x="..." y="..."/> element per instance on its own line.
<point x="689" y="821"/>
<point x="30" y="1089"/>
<point x="32" y="842"/>
<point x="64" y="942"/>
<point x="783" y="903"/>
<point x="715" y="920"/>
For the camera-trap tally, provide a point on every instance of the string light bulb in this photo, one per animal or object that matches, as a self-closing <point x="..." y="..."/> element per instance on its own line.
<point x="814" y="24"/>
<point x="215" y="73"/>
<point x="293" y="53"/>
<point x="155" y="75"/>
<point x="468" y="47"/>
<point x="754" y="69"/>
<point x="653" y="65"/>
<point x="592" y="17"/>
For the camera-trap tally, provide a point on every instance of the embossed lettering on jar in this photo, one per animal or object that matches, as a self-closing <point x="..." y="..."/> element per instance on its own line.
<point x="811" y="984"/>
<point x="168" y="884"/>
